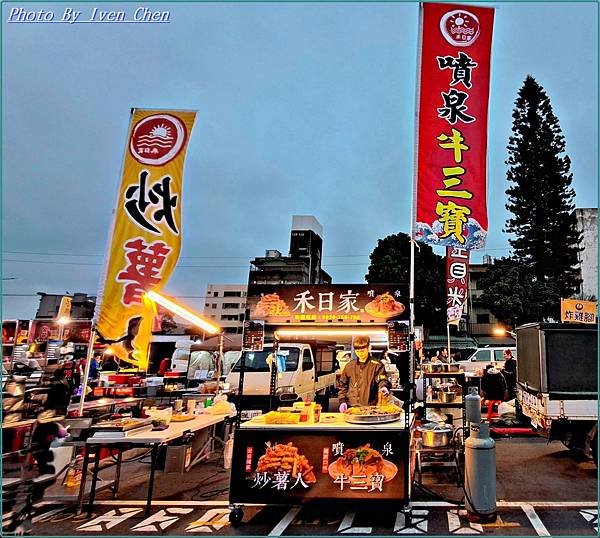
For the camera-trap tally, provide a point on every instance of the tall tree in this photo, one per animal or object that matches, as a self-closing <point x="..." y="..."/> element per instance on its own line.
<point x="390" y="263"/>
<point x="540" y="197"/>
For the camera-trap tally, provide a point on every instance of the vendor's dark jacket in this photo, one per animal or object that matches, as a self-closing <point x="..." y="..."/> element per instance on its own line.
<point x="360" y="382"/>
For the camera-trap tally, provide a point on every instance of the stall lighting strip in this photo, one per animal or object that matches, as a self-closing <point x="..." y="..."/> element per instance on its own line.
<point x="331" y="332"/>
<point x="183" y="312"/>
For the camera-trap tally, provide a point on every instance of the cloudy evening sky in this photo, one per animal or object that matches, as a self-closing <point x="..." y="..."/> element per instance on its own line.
<point x="303" y="109"/>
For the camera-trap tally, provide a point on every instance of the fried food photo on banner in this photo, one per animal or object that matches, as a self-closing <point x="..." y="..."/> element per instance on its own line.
<point x="286" y="458"/>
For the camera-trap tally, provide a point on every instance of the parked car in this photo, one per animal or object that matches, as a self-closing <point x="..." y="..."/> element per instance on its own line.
<point x="484" y="356"/>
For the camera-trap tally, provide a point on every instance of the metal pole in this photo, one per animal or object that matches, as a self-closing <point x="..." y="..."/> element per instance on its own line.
<point x="448" y="334"/>
<point x="220" y="363"/>
<point x="86" y="373"/>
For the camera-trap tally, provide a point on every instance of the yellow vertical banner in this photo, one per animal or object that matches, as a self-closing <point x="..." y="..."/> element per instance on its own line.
<point x="146" y="235"/>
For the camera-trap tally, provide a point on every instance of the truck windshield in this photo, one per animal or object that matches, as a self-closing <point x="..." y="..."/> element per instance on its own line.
<point x="256" y="361"/>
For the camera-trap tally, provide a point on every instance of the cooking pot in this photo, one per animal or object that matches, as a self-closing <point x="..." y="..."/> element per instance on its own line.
<point x="447" y="396"/>
<point x="436" y="434"/>
<point x="431" y="367"/>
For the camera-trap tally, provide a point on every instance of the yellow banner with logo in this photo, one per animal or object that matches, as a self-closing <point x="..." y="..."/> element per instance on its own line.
<point x="576" y="311"/>
<point x="146" y="235"/>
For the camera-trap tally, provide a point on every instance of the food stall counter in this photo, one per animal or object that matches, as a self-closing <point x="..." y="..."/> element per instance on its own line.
<point x="332" y="461"/>
<point x="329" y="421"/>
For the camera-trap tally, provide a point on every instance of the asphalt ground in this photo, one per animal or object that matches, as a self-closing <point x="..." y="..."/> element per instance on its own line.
<point x="541" y="491"/>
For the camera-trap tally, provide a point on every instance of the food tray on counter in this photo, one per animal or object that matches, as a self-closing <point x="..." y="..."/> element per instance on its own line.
<point x="372" y="419"/>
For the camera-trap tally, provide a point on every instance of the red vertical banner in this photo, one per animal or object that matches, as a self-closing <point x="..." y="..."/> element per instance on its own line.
<point x="454" y="81"/>
<point x="457" y="282"/>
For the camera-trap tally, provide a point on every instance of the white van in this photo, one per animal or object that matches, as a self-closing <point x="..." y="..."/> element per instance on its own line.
<point x="484" y="356"/>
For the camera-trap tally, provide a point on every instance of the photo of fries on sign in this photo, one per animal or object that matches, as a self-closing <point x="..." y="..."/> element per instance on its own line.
<point x="283" y="468"/>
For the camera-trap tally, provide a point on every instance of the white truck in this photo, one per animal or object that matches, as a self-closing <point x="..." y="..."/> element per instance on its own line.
<point x="557" y="384"/>
<point x="308" y="372"/>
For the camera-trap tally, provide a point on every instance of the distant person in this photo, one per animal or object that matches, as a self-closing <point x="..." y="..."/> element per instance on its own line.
<point x="493" y="388"/>
<point x="510" y="373"/>
<point x="59" y="394"/>
<point x="442" y="355"/>
<point x="110" y="364"/>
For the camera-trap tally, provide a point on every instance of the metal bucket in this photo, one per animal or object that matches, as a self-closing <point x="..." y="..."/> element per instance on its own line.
<point x="436" y="435"/>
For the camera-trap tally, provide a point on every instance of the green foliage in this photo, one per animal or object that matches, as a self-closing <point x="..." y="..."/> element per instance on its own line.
<point x="390" y="263"/>
<point x="545" y="239"/>
<point x="513" y="294"/>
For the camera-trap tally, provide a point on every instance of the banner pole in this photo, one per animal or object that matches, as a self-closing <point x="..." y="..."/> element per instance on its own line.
<point x="86" y="373"/>
<point x="220" y="365"/>
<point x="448" y="334"/>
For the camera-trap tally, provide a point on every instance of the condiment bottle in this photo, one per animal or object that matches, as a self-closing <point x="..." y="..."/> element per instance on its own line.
<point x="317" y="416"/>
<point x="305" y="412"/>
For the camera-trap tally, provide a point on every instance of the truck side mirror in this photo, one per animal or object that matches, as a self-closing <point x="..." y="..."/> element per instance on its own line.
<point x="288" y="397"/>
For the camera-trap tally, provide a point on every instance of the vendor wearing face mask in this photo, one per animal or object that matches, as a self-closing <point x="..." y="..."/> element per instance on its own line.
<point x="362" y="379"/>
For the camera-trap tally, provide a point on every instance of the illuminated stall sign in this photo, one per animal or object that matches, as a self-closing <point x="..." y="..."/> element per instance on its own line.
<point x="9" y="330"/>
<point x="78" y="332"/>
<point x="452" y="125"/>
<point x="397" y="335"/>
<point x="328" y="303"/>
<point x="271" y="466"/>
<point x="253" y="338"/>
<point x="43" y="330"/>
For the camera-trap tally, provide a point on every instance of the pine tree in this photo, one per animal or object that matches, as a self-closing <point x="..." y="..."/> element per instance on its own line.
<point x="546" y="240"/>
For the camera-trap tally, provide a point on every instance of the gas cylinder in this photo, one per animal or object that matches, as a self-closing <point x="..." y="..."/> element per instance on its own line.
<point x="473" y="406"/>
<point x="480" y="474"/>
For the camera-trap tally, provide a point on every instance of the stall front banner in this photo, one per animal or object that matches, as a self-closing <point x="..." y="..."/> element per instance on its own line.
<point x="146" y="236"/>
<point x="454" y="79"/>
<point x="457" y="282"/>
<point x="576" y="311"/>
<point x="272" y="466"/>
<point x="324" y="303"/>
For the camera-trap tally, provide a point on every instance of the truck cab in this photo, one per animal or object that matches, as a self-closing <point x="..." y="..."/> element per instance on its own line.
<point x="302" y="368"/>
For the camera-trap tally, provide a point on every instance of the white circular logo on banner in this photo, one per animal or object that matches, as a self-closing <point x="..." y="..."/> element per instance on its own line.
<point x="460" y="28"/>
<point x="157" y="139"/>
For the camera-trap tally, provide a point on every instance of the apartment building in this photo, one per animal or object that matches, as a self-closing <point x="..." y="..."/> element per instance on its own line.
<point x="225" y="305"/>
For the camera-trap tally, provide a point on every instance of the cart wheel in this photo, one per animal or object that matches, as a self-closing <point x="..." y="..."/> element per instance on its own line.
<point x="235" y="516"/>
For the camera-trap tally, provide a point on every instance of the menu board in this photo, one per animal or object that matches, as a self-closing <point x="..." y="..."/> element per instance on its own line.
<point x="397" y="334"/>
<point x="253" y="338"/>
<point x="271" y="466"/>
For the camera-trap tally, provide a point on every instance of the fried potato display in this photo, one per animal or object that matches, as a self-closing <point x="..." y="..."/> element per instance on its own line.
<point x="271" y="305"/>
<point x="369" y="410"/>
<point x="281" y="457"/>
<point x="282" y="417"/>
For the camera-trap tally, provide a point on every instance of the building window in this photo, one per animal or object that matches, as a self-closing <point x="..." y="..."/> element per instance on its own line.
<point x="483" y="318"/>
<point x="231" y="305"/>
<point x="215" y="293"/>
<point x="232" y="294"/>
<point x="214" y="305"/>
<point x="206" y="305"/>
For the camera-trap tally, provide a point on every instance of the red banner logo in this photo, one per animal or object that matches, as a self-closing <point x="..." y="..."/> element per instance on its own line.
<point x="158" y="139"/>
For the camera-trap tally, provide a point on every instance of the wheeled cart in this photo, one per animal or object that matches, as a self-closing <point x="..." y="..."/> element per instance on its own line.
<point x="332" y="461"/>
